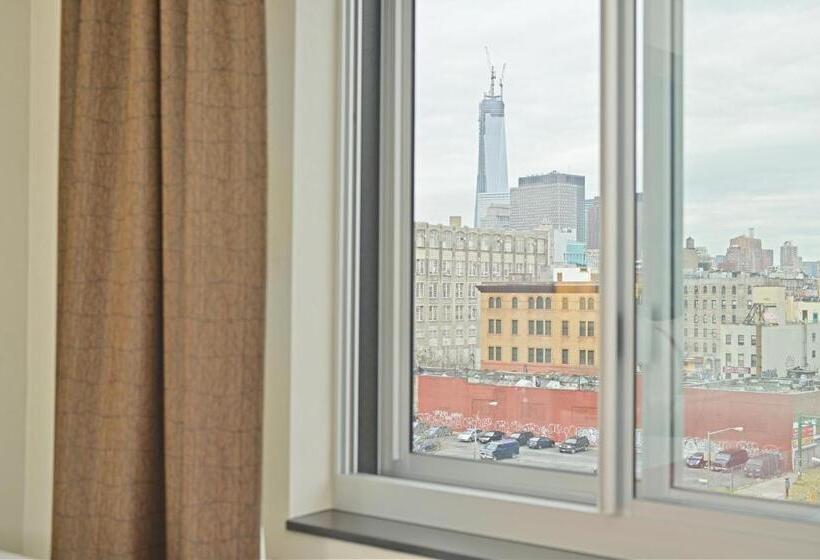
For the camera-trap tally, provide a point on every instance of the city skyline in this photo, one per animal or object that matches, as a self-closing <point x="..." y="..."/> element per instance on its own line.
<point x="751" y="127"/>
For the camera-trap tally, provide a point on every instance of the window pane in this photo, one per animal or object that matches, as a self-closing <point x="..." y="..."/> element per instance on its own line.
<point x="506" y="169"/>
<point x="745" y="408"/>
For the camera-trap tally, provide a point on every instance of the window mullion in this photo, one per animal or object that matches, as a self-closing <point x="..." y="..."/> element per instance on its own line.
<point x="617" y="252"/>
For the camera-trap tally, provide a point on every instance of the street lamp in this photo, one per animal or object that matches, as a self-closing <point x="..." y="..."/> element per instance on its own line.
<point x="709" y="445"/>
<point x="475" y="429"/>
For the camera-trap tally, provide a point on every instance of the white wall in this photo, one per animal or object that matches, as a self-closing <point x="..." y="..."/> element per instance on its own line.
<point x="14" y="112"/>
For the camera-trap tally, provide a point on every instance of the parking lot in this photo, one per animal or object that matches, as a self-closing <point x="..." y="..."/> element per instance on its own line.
<point x="587" y="462"/>
<point x="584" y="461"/>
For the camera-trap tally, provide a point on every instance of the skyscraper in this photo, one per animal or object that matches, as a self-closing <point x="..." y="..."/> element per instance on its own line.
<point x="555" y="199"/>
<point x="789" y="258"/>
<point x="746" y="254"/>
<point x="593" y="223"/>
<point x="492" y="185"/>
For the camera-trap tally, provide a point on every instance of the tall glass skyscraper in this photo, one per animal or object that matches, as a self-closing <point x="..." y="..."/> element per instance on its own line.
<point x="492" y="185"/>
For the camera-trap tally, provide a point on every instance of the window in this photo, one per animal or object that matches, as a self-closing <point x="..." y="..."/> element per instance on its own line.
<point x="548" y="355"/>
<point x="491" y="326"/>
<point x="498" y="326"/>
<point x="547" y="303"/>
<point x="728" y="340"/>
<point x="582" y="328"/>
<point x="514" y="354"/>
<point x="548" y="328"/>
<point x="539" y="327"/>
<point x="740" y="339"/>
<point x="667" y="196"/>
<point x="491" y="303"/>
<point x="514" y="327"/>
<point x="515" y="303"/>
<point x="531" y="327"/>
<point x="498" y="303"/>
<point x="539" y="302"/>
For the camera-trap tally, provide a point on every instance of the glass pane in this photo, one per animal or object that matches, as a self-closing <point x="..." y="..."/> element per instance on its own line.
<point x="507" y="232"/>
<point x="746" y="403"/>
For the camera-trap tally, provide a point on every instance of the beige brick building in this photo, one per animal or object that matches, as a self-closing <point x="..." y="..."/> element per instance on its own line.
<point x="540" y="327"/>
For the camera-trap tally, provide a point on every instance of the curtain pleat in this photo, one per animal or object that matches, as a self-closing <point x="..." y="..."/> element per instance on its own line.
<point x="161" y="279"/>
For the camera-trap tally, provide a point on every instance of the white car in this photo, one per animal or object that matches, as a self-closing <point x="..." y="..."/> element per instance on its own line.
<point x="469" y="435"/>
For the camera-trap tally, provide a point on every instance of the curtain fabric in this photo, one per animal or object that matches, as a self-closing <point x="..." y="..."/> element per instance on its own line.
<point x="161" y="279"/>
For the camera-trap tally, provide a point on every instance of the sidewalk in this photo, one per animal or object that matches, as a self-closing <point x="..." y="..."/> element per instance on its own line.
<point x="773" y="489"/>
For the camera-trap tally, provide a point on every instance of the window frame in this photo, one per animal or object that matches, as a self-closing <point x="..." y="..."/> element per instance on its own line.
<point x="444" y="500"/>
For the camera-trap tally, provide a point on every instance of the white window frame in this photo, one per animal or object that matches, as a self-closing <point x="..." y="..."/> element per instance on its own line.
<point x="665" y="521"/>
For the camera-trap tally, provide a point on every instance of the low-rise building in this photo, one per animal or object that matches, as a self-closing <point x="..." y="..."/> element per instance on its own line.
<point x="540" y="327"/>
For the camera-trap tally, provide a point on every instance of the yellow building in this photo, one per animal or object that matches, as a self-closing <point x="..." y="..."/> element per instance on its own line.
<point x="540" y="328"/>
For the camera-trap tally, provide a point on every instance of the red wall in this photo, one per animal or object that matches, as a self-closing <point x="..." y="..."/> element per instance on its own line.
<point x="766" y="417"/>
<point x="458" y="404"/>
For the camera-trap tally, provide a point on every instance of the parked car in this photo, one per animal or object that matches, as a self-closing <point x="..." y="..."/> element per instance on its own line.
<point x="729" y="459"/>
<point x="766" y="465"/>
<point x="469" y="435"/>
<point x="540" y="442"/>
<point x="574" y="444"/>
<point x="438" y="432"/>
<point x="696" y="461"/>
<point x="503" y="449"/>
<point x="492" y="435"/>
<point x="522" y="437"/>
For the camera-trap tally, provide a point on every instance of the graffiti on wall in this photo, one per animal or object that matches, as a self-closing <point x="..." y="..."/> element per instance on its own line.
<point x="556" y="431"/>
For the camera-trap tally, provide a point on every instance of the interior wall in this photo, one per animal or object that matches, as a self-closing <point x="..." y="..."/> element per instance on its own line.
<point x="14" y="112"/>
<point x="42" y="274"/>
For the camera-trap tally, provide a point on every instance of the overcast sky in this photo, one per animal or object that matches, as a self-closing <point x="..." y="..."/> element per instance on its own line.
<point x="751" y="103"/>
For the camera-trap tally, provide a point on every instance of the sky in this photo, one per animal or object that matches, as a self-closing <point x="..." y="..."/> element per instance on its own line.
<point x="751" y="108"/>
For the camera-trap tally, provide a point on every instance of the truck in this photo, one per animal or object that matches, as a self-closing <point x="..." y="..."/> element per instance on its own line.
<point x="765" y="465"/>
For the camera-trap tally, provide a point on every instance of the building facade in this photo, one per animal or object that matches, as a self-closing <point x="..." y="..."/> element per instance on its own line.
<point x="593" y="223"/>
<point x="711" y="300"/>
<point x="555" y="199"/>
<point x="450" y="261"/>
<point x="746" y="254"/>
<point x="492" y="183"/>
<point x="789" y="258"/>
<point x="540" y="328"/>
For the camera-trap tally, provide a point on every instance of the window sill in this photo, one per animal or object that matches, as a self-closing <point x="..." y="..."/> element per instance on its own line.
<point x="418" y="539"/>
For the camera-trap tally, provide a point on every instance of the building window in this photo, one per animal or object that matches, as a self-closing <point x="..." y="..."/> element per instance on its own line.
<point x="565" y="356"/>
<point x="548" y="328"/>
<point x="582" y="357"/>
<point x="565" y="303"/>
<point x="491" y="326"/>
<point x="491" y="303"/>
<point x="548" y="355"/>
<point x="498" y="303"/>
<point x="539" y="355"/>
<point x="531" y="303"/>
<point x="740" y="338"/>
<point x="590" y="328"/>
<point x="582" y="328"/>
<point x="514" y="326"/>
<point x="539" y="302"/>
<point x="514" y="356"/>
<point x="547" y="303"/>
<point x="498" y="326"/>
<point x="582" y="304"/>
<point x="531" y="355"/>
<point x="539" y="327"/>
<point x="564" y="328"/>
<point x="728" y="340"/>
<point x="419" y="313"/>
<point x="515" y="303"/>
<point x="590" y="357"/>
<point x="531" y="327"/>
<point x="728" y="358"/>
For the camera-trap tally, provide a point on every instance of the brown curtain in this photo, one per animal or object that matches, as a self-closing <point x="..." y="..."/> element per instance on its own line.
<point x="161" y="279"/>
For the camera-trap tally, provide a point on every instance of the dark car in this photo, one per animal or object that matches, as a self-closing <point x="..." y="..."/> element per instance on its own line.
<point x="696" y="461"/>
<point x="503" y="449"/>
<point x="487" y="437"/>
<point x="729" y="459"/>
<point x="522" y="437"/>
<point x="540" y="442"/>
<point x="574" y="444"/>
<point x="766" y="465"/>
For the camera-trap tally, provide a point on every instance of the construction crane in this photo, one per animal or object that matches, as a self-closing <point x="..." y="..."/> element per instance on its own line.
<point x="491" y="67"/>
